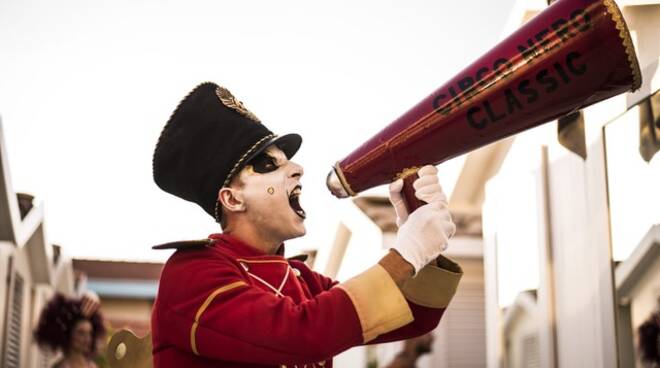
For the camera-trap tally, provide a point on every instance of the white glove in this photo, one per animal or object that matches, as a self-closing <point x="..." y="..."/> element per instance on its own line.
<point x="425" y="234"/>
<point x="427" y="188"/>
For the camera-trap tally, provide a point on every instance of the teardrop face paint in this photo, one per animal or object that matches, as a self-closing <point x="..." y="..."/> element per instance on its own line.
<point x="271" y="191"/>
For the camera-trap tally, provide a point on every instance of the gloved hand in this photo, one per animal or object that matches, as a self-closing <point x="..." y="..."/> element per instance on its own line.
<point x="425" y="233"/>
<point x="427" y="188"/>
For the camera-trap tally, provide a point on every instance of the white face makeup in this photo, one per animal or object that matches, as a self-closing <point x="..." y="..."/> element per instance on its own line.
<point x="270" y="191"/>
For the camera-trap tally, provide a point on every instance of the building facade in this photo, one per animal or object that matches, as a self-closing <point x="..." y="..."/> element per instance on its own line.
<point x="32" y="270"/>
<point x="127" y="291"/>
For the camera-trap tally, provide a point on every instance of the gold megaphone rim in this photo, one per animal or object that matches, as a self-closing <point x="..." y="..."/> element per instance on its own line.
<point x="624" y="34"/>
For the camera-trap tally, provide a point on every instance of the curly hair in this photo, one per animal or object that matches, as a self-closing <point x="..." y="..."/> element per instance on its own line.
<point x="649" y="339"/>
<point x="58" y="319"/>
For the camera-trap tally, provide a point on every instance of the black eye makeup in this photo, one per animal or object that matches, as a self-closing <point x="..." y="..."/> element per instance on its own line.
<point x="263" y="163"/>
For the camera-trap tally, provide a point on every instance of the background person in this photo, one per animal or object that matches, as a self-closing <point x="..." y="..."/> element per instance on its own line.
<point x="71" y="327"/>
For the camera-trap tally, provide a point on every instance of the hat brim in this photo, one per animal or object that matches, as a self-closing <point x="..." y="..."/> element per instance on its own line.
<point x="288" y="143"/>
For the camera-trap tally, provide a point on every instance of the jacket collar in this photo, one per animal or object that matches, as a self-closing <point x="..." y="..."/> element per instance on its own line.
<point x="242" y="249"/>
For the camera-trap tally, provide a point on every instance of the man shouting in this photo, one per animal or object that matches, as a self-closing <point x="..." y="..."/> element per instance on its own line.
<point x="232" y="299"/>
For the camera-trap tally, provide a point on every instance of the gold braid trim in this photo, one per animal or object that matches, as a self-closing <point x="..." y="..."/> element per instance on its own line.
<point x="343" y="181"/>
<point x="235" y="168"/>
<point x="200" y="311"/>
<point x="262" y="261"/>
<point x="407" y="172"/>
<point x="245" y="155"/>
<point x="617" y="17"/>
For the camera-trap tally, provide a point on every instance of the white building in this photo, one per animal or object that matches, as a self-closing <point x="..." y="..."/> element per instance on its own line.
<point x="520" y="328"/>
<point x="33" y="269"/>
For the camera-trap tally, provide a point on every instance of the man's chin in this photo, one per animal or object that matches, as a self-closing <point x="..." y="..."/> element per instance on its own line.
<point x="297" y="232"/>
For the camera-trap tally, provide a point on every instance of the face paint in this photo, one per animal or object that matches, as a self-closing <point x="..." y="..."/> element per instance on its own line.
<point x="263" y="163"/>
<point x="270" y="188"/>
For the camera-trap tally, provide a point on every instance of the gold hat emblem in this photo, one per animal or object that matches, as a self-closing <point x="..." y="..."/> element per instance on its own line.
<point x="231" y="102"/>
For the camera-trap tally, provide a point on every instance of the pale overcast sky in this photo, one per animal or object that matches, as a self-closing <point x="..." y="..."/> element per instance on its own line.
<point x="86" y="87"/>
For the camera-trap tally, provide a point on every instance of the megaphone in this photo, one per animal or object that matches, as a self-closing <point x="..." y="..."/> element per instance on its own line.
<point x="571" y="55"/>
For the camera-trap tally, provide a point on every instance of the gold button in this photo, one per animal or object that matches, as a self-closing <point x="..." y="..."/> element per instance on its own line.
<point x="296" y="272"/>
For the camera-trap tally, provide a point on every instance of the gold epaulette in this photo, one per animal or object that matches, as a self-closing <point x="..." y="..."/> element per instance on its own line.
<point x="185" y="244"/>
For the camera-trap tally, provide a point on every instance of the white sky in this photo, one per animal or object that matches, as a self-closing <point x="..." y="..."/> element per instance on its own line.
<point x="86" y="87"/>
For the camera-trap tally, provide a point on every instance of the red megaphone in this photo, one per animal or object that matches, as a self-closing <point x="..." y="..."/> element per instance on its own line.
<point x="573" y="54"/>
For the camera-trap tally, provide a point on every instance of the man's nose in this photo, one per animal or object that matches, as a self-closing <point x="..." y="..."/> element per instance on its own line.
<point x="296" y="171"/>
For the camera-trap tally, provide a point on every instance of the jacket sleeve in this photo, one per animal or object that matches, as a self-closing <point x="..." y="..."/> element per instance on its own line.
<point x="209" y="308"/>
<point x="428" y="295"/>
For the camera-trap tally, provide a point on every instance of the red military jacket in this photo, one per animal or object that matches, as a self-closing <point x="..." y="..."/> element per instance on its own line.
<point x="226" y="304"/>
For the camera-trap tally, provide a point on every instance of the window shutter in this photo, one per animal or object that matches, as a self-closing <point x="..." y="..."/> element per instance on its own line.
<point x="460" y="340"/>
<point x="12" y="357"/>
<point x="530" y="351"/>
<point x="467" y="322"/>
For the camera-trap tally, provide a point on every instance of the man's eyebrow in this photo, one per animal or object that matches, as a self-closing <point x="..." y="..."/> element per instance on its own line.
<point x="278" y="160"/>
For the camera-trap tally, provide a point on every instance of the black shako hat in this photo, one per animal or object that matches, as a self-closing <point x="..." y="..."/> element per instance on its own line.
<point x="208" y="139"/>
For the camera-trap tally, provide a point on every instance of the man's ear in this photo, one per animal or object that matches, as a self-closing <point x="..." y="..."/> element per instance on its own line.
<point x="231" y="199"/>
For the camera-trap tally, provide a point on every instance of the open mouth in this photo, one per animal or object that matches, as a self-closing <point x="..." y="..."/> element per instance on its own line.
<point x="294" y="202"/>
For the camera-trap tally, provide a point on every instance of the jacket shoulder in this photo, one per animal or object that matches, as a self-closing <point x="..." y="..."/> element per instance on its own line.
<point x="189" y="273"/>
<point x="185" y="245"/>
